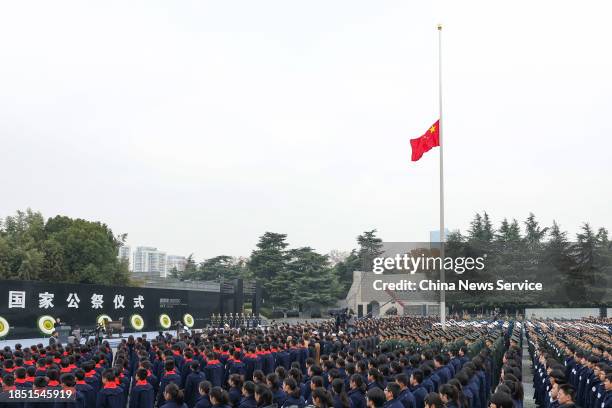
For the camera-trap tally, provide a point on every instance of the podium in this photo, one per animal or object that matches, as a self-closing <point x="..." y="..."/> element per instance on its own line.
<point x="63" y="332"/>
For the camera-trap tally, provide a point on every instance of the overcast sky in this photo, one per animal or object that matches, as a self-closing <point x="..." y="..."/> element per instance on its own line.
<point x="197" y="126"/>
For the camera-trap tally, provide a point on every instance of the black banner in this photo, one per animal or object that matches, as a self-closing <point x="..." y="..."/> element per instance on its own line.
<point x="22" y="303"/>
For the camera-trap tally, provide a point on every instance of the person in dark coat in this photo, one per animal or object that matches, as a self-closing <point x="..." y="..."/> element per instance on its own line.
<point x="87" y="390"/>
<point x="40" y="383"/>
<point x="406" y="396"/>
<point x="214" y="370"/>
<point x="173" y="396"/>
<point x="376" y="398"/>
<point x="283" y="358"/>
<point x="236" y="366"/>
<point x="91" y="375"/>
<point x="142" y="395"/>
<point x="566" y="396"/>
<point x="151" y="378"/>
<point x="250" y="360"/>
<point x="357" y="391"/>
<point x="417" y="388"/>
<point x="294" y="399"/>
<point x="235" y="390"/>
<point x="268" y="361"/>
<point x="441" y="370"/>
<point x="192" y="382"/>
<point x="376" y="379"/>
<point x="219" y="398"/>
<point x="339" y="396"/>
<point x="53" y="376"/>
<point x="170" y="376"/>
<point x="8" y="385"/>
<point x="449" y="395"/>
<point x="111" y="395"/>
<point x="248" y="395"/>
<point x="501" y="400"/>
<point x="204" y="400"/>
<point x="392" y="393"/>
<point x="607" y="398"/>
<point x="185" y="368"/>
<point x="278" y="395"/>
<point x="433" y="400"/>
<point x="68" y="384"/>
<point x="263" y="396"/>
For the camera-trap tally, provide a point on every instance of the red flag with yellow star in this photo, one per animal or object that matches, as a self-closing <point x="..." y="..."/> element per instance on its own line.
<point x="425" y="143"/>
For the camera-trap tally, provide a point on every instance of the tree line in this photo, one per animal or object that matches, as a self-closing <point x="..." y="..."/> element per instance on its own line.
<point x="60" y="249"/>
<point x="67" y="250"/>
<point x="292" y="278"/>
<point x="573" y="272"/>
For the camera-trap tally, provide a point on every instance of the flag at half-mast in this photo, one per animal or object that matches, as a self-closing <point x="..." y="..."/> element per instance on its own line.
<point x="425" y="143"/>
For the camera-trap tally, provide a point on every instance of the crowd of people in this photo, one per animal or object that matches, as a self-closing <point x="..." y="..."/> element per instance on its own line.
<point x="396" y="362"/>
<point x="573" y="363"/>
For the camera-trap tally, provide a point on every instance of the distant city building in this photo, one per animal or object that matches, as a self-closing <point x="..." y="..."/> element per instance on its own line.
<point x="125" y="253"/>
<point x="175" y="261"/>
<point x="151" y="261"/>
<point x="434" y="236"/>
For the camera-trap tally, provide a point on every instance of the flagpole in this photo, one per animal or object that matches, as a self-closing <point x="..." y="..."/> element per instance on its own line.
<point x="442" y="232"/>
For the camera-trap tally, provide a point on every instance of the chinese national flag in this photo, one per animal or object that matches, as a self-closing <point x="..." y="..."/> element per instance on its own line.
<point x="423" y="144"/>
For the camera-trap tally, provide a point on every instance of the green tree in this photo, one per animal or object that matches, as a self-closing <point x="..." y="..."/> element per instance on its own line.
<point x="60" y="250"/>
<point x="557" y="265"/>
<point x="268" y="261"/>
<point x="481" y="229"/>
<point x="307" y="281"/>
<point x="487" y="228"/>
<point x="220" y="267"/>
<point x="89" y="274"/>
<point x="508" y="232"/>
<point x="225" y="267"/>
<point x="53" y="264"/>
<point x="30" y="265"/>
<point x="176" y="274"/>
<point x="588" y="278"/>
<point x="316" y="282"/>
<point x="534" y="234"/>
<point x="191" y="268"/>
<point x="88" y="243"/>
<point x="5" y="254"/>
<point x="370" y="247"/>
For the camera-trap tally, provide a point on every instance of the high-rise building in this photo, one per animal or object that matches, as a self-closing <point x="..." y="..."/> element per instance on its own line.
<point x="125" y="252"/>
<point x="175" y="261"/>
<point x="150" y="260"/>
